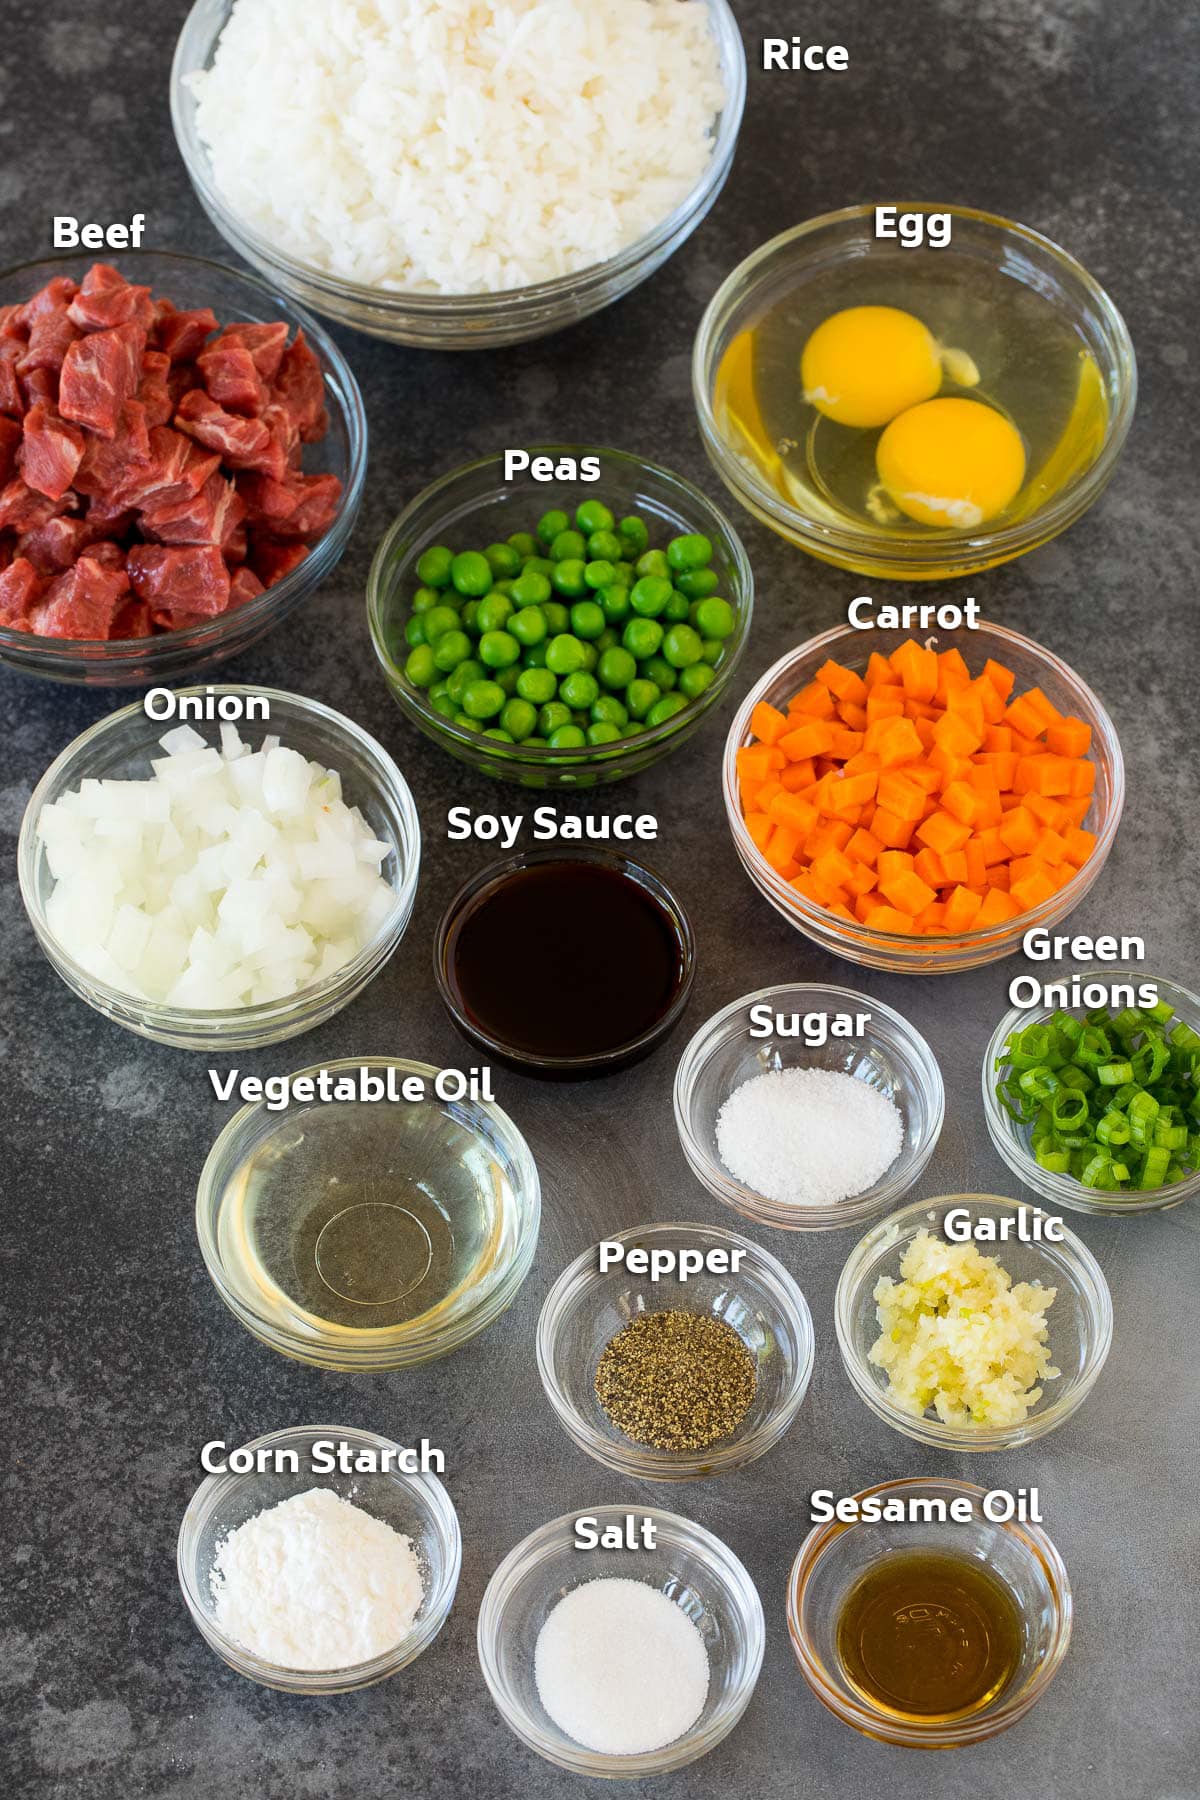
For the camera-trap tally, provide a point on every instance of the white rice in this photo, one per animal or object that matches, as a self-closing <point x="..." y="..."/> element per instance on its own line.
<point x="459" y="146"/>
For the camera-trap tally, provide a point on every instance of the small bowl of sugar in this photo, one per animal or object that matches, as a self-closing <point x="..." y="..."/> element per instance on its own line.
<point x="808" y="1107"/>
<point x="317" y="1561"/>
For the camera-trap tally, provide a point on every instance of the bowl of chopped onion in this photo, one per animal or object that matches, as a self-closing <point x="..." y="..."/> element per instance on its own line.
<point x="221" y="888"/>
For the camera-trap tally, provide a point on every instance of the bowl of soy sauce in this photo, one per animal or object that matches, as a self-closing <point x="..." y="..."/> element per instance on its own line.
<point x="565" y="964"/>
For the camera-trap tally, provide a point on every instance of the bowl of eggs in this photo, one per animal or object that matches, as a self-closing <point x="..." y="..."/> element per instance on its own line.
<point x="914" y="392"/>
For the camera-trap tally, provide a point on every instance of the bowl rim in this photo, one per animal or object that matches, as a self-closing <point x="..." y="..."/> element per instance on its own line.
<point x="425" y="1627"/>
<point x="891" y="1231"/>
<point x="675" y="1529"/>
<point x="417" y="1346"/>
<point x="18" y="646"/>
<point x="423" y="304"/>
<point x="818" y="920"/>
<point x="537" y="756"/>
<point x="995" y="545"/>
<point x="385" y="774"/>
<point x="878" y="1724"/>
<point x="474" y="890"/>
<point x="1008" y="1138"/>
<point x="627" y="1457"/>
<point x="901" y="1174"/>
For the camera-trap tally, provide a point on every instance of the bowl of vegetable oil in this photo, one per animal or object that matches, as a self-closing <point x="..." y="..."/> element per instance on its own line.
<point x="918" y="409"/>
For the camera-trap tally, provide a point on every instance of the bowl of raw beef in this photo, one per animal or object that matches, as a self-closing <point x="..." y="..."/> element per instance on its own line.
<point x="182" y="453"/>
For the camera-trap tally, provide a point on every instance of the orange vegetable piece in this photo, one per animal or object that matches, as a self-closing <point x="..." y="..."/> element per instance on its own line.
<point x="842" y="682"/>
<point x="998" y="907"/>
<point x="942" y="832"/>
<point x="901" y="795"/>
<point x="864" y="847"/>
<point x="1002" y="679"/>
<point x="957" y="734"/>
<point x="888" y="918"/>
<point x="760" y="828"/>
<point x="1019" y="831"/>
<point x="1045" y="710"/>
<point x="962" y="909"/>
<point x="1080" y="844"/>
<point x="781" y="846"/>
<point x="815" y="701"/>
<point x="907" y="892"/>
<point x="1031" y="889"/>
<point x="880" y="672"/>
<point x="1069" y="737"/>
<point x="890" y="829"/>
<point x="812" y="738"/>
<point x="962" y="802"/>
<point x="767" y="723"/>
<point x="1025" y="718"/>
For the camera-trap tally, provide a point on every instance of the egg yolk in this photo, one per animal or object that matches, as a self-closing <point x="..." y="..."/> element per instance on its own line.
<point x="865" y="364"/>
<point x="951" y="462"/>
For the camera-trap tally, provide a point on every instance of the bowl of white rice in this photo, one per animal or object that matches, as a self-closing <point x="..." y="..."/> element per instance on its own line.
<point x="458" y="174"/>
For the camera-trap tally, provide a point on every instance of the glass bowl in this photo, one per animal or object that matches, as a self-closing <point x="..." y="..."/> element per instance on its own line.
<point x="1033" y="665"/>
<point x="811" y="252"/>
<point x="1079" y="1321"/>
<point x="121" y="747"/>
<point x="417" y="1506"/>
<point x="479" y="888"/>
<point x="454" y="321"/>
<point x="833" y="1557"/>
<point x="1012" y="1139"/>
<point x="474" y="505"/>
<point x="586" y="1308"/>
<point x="233" y="295"/>
<point x="691" y="1566"/>
<point x="362" y="1141"/>
<point x="891" y="1056"/>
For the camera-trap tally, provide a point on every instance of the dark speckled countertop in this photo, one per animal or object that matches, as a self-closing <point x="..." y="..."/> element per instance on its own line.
<point x="119" y="1361"/>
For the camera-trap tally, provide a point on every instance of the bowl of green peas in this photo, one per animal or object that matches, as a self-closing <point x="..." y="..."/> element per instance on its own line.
<point x="563" y="633"/>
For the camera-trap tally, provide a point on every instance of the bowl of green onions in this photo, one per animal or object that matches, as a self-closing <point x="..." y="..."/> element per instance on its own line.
<point x="1099" y="1111"/>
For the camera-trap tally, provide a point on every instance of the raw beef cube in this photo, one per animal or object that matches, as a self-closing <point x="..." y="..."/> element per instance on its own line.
<point x="39" y="388"/>
<point x="272" y="559"/>
<point x="51" y="451"/>
<point x="21" y="509"/>
<point x="182" y="379"/>
<point x="56" y="296"/>
<point x="50" y="338"/>
<point x="54" y="546"/>
<point x="175" y="470"/>
<point x="237" y="440"/>
<point x="237" y="546"/>
<point x="183" y="335"/>
<point x="107" y="299"/>
<point x="208" y="517"/>
<point x="300" y="506"/>
<point x="266" y="344"/>
<point x="244" y="586"/>
<point x="109" y="519"/>
<point x="107" y="554"/>
<point x="100" y="373"/>
<point x="300" y="389"/>
<point x="20" y="586"/>
<point x="231" y="378"/>
<point x="10" y="440"/>
<point x="9" y="323"/>
<point x="132" y="620"/>
<point x="108" y="463"/>
<point x="154" y="391"/>
<point x="191" y="580"/>
<point x="82" y="603"/>
<point x="12" y="400"/>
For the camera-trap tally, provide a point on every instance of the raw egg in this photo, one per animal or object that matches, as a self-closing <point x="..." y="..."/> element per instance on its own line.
<point x="865" y="364"/>
<point x="951" y="462"/>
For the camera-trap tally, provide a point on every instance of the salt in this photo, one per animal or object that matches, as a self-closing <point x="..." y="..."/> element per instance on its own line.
<point x="808" y="1137"/>
<point x="620" y="1668"/>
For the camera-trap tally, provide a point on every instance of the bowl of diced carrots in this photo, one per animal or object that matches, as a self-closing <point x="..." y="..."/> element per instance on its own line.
<point x="920" y="806"/>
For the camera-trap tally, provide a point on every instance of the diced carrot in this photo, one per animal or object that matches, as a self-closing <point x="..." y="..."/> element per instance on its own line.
<point x="1019" y="831"/>
<point x="941" y="832"/>
<point x="880" y="672"/>
<point x="754" y="762"/>
<point x="888" y="918"/>
<point x="1025" y="718"/>
<point x="843" y="742"/>
<point x="1001" y="876"/>
<point x="1002" y="679"/>
<point x="998" y="737"/>
<point x="842" y="682"/>
<point x="976" y="863"/>
<point x="962" y="802"/>
<point x="962" y="909"/>
<point x="1083" y="778"/>
<point x="1048" y="810"/>
<point x="957" y="735"/>
<point x="900" y="795"/>
<point x="989" y="700"/>
<point x="907" y="892"/>
<point x="830" y="834"/>
<point x="954" y="866"/>
<point x="793" y="810"/>
<point x="767" y="723"/>
<point x="1077" y="808"/>
<point x="812" y="738"/>
<point x="890" y="829"/>
<point x="1069" y="737"/>
<point x="833" y="867"/>
<point x="896" y="742"/>
<point x="994" y="849"/>
<point x="952" y="670"/>
<point x="885" y="703"/>
<point x="894" y="862"/>
<point x="928" y="865"/>
<point x="932" y="922"/>
<point x="1080" y="844"/>
<point x="842" y="911"/>
<point x="1045" y="710"/>
<point x="815" y="701"/>
<point x="853" y="715"/>
<point x="998" y="907"/>
<point x="1033" y="888"/>
<point x="1003" y="764"/>
<point x="781" y="846"/>
<point x="1052" y="846"/>
<point x="1045" y="774"/>
<point x="917" y="669"/>
<point x="798" y="776"/>
<point x="848" y="791"/>
<point x="863" y="879"/>
<point x="760" y="828"/>
<point x="864" y="847"/>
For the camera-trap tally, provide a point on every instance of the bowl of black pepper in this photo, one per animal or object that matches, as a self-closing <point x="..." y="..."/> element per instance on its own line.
<point x="675" y="1352"/>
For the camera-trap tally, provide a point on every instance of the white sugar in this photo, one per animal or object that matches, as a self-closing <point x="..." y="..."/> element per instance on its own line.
<point x="808" y="1137"/>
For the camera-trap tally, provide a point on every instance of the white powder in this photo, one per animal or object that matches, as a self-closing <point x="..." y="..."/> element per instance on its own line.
<point x="620" y="1668"/>
<point x="808" y="1137"/>
<point x="459" y="146"/>
<point x="316" y="1583"/>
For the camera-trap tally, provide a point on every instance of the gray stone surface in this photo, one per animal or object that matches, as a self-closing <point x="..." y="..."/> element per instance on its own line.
<point x="1077" y="116"/>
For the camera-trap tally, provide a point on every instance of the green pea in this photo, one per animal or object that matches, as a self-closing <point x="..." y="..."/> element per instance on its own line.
<point x="659" y="669"/>
<point x="442" y="703"/>
<point x="593" y="515"/>
<point x="654" y="563"/>
<point x="498" y="732"/>
<point x="424" y="598"/>
<point x="523" y="544"/>
<point x="591" y="656"/>
<point x="508" y="678"/>
<point x="493" y="613"/>
<point x="615" y="601"/>
<point x="634" y="536"/>
<point x="677" y="608"/>
<point x="564" y="654"/>
<point x="625" y="573"/>
<point x="650" y="596"/>
<point x="642" y="637"/>
<point x="518" y="717"/>
<point x="569" y="577"/>
<point x="537" y="685"/>
<point x="634" y="728"/>
<point x="538" y="565"/>
<point x="437" y="621"/>
<point x="500" y="649"/>
<point x="552" y="717"/>
<point x="503" y="560"/>
<point x="579" y="691"/>
<point x="640" y="696"/>
<point x="462" y="677"/>
<point x="557" y="617"/>
<point x="534" y="657"/>
<point x="568" y="546"/>
<point x="471" y="573"/>
<point x="617" y="668"/>
<point x="530" y="588"/>
<point x="439" y="687"/>
<point x="567" y="737"/>
<point x="434" y="566"/>
<point x="694" y="680"/>
<point x="682" y="647"/>
<point x="715" y="618"/>
<point x="451" y="649"/>
<point x="482" y="699"/>
<point x="712" y="650"/>
<point x="550" y="524"/>
<point x="528" y="626"/>
<point x="414" y="633"/>
<point x="467" y="723"/>
<point x="607" y="710"/>
<point x="694" y="551"/>
<point x="604" y="546"/>
<point x="598" y="574"/>
<point x="587" y="619"/>
<point x="536" y="738"/>
<point x="665" y="709"/>
<point x="697" y="584"/>
<point x="602" y="732"/>
<point x="470" y="615"/>
<point x="420" y="667"/>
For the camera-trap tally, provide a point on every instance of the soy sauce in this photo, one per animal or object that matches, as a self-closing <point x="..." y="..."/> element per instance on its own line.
<point x="564" y="960"/>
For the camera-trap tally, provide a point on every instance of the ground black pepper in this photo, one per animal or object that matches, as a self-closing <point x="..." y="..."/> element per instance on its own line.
<point x="676" y="1380"/>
